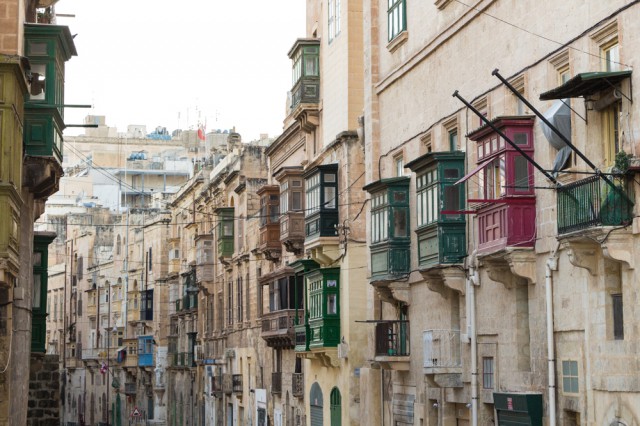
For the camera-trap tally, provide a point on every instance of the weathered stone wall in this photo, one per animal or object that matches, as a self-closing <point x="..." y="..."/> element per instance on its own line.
<point x="44" y="391"/>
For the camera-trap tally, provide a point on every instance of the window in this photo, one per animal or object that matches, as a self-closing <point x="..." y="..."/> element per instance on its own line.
<point x="570" y="376"/>
<point x="618" y="319"/>
<point x="150" y="259"/>
<point x="453" y="140"/>
<point x="428" y="197"/>
<point x="611" y="56"/>
<point x="396" y="18"/>
<point x="611" y="128"/>
<point x="379" y="217"/>
<point x="398" y="162"/>
<point x="313" y="194"/>
<point x="240" y="300"/>
<point x="334" y="19"/>
<point x="487" y="373"/>
<point x="230" y="302"/>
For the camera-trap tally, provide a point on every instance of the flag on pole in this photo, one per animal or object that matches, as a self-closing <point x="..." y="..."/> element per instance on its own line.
<point x="103" y="368"/>
<point x="202" y="130"/>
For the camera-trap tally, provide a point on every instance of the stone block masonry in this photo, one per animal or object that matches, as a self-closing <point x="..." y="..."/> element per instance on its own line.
<point x="44" y="391"/>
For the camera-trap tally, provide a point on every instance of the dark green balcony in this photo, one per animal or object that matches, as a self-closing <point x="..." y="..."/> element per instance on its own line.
<point x="323" y="307"/>
<point x="225" y="231"/>
<point x="41" y="241"/>
<point x="592" y="202"/>
<point x="390" y="238"/>
<point x="305" y="57"/>
<point x="48" y="47"/>
<point x="321" y="186"/>
<point x="441" y="223"/>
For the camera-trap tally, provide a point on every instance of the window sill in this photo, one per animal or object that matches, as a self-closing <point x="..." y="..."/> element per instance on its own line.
<point x="398" y="41"/>
<point x="441" y="4"/>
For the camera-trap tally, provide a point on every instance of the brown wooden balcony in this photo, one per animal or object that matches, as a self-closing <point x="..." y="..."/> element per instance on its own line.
<point x="292" y="231"/>
<point x="276" y="382"/>
<point x="269" y="237"/>
<point x="278" y="328"/>
<point x="297" y="385"/>
<point x="217" y="386"/>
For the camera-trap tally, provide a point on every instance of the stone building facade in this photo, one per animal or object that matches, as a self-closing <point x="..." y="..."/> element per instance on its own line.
<point x="513" y="296"/>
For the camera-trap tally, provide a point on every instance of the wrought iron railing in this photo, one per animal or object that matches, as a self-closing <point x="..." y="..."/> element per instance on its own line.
<point x="392" y="338"/>
<point x="236" y="383"/>
<point x="593" y="202"/>
<point x="441" y="348"/>
<point x="297" y="384"/>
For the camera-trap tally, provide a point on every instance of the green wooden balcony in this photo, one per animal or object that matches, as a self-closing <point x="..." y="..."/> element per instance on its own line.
<point x="591" y="202"/>
<point x="305" y="57"/>
<point x="225" y="232"/>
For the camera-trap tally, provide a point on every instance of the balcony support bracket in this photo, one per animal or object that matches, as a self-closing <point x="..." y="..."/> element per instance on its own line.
<point x="582" y="254"/>
<point x="511" y="263"/>
<point x="441" y="280"/>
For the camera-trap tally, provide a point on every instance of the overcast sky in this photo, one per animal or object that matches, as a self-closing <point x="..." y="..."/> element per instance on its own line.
<point x="172" y="64"/>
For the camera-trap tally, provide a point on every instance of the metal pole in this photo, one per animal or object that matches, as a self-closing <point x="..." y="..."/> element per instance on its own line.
<point x="502" y="135"/>
<point x="556" y="131"/>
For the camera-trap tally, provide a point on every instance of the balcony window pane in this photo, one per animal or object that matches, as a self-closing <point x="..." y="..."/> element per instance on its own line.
<point x="332" y="305"/>
<point x="521" y="168"/>
<point x="296" y="200"/>
<point x="400" y="222"/>
<point x="330" y="197"/>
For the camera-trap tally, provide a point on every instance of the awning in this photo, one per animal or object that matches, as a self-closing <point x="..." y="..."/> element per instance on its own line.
<point x="559" y="115"/>
<point x="586" y="84"/>
<point x="474" y="171"/>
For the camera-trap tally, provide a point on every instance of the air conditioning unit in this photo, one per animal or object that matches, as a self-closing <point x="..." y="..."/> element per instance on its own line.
<point x="198" y="353"/>
<point x="230" y="353"/>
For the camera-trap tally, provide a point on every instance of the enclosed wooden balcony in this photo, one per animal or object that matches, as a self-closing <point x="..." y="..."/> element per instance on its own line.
<point x="292" y="231"/>
<point x="130" y="388"/>
<point x="269" y="238"/>
<point x="278" y="328"/>
<point x="305" y="93"/>
<point x="592" y="202"/>
<point x="392" y="346"/>
<point x="507" y="224"/>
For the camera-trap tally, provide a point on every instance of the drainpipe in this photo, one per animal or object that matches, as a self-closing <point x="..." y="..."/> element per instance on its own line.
<point x="472" y="282"/>
<point x="551" y="265"/>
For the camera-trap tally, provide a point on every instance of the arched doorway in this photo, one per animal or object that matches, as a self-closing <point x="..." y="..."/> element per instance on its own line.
<point x="335" y="407"/>
<point x="315" y="402"/>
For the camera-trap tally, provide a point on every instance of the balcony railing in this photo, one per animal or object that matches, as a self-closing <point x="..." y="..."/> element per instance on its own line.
<point x="182" y="359"/>
<point x="441" y="349"/>
<point x="130" y="388"/>
<point x="392" y="338"/>
<point x="297" y="385"/>
<point x="302" y="344"/>
<point x="592" y="202"/>
<point x="236" y="383"/>
<point x="217" y="385"/>
<point x="276" y="382"/>
<point x="278" y="327"/>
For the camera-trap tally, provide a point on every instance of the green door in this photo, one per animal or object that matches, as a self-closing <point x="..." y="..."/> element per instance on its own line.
<point x="336" y="407"/>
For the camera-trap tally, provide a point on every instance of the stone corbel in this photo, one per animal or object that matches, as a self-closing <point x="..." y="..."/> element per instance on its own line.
<point x="329" y="358"/>
<point x="523" y="264"/>
<point x="499" y="271"/>
<point x="583" y="255"/>
<point x="618" y="247"/>
<point x="435" y="282"/>
<point x="454" y="278"/>
<point x="400" y="292"/>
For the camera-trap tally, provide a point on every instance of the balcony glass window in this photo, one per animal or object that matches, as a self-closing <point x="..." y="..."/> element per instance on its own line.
<point x="427" y="197"/>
